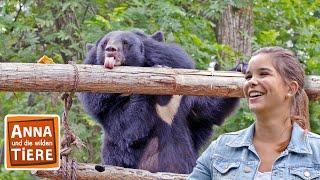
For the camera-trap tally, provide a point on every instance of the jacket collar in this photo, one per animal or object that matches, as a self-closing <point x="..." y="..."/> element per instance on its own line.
<point x="298" y="142"/>
<point x="244" y="138"/>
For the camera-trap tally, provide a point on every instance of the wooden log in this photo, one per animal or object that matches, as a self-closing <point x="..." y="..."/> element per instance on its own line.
<point x="63" y="78"/>
<point x="97" y="172"/>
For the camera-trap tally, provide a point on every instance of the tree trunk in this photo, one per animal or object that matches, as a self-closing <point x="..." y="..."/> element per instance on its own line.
<point x="234" y="28"/>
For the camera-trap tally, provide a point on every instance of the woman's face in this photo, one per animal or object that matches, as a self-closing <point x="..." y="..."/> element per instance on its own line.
<point x="264" y="88"/>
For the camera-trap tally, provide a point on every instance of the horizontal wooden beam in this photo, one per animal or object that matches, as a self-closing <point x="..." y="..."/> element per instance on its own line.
<point x="143" y="80"/>
<point x="93" y="171"/>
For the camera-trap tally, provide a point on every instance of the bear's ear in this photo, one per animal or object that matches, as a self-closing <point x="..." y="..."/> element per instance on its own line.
<point x="158" y="36"/>
<point x="89" y="46"/>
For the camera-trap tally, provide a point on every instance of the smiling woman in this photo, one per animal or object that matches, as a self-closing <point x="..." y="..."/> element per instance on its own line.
<point x="286" y="67"/>
<point x="278" y="144"/>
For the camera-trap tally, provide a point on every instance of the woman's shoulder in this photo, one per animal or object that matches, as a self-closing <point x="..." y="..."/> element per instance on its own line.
<point x="314" y="141"/>
<point x="236" y="133"/>
<point x="229" y="136"/>
<point x="232" y="139"/>
<point x="314" y="136"/>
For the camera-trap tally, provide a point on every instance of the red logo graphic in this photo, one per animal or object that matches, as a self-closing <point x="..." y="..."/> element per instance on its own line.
<point x="32" y="142"/>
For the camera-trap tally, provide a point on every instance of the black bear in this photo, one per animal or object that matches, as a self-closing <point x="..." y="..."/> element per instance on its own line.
<point x="151" y="132"/>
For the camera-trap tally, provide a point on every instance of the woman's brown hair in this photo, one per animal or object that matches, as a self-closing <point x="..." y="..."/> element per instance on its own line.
<point x="287" y="65"/>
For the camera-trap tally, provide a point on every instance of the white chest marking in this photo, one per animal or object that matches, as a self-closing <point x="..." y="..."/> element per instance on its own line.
<point x="167" y="112"/>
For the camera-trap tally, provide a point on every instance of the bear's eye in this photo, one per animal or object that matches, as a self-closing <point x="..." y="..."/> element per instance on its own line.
<point x="125" y="42"/>
<point x="104" y="44"/>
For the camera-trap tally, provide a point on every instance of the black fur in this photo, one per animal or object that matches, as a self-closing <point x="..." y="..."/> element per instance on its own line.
<point x="134" y="134"/>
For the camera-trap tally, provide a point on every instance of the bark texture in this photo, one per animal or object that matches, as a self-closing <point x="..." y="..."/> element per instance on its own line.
<point x="65" y="77"/>
<point x="234" y="28"/>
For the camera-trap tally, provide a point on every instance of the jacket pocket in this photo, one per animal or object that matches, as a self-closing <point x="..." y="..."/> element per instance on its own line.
<point x="225" y="168"/>
<point x="304" y="173"/>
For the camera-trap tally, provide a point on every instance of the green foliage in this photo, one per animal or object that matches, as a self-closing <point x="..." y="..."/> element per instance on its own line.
<point x="292" y="24"/>
<point x="16" y="175"/>
<point x="61" y="31"/>
<point x="315" y="116"/>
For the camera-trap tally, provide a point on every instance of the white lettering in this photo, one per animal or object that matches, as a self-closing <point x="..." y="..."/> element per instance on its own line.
<point x="16" y="131"/>
<point x="30" y="155"/>
<point x="27" y="131"/>
<point x="15" y="150"/>
<point x="31" y="131"/>
<point x="47" y="131"/>
<point x="39" y="153"/>
<point x="49" y="153"/>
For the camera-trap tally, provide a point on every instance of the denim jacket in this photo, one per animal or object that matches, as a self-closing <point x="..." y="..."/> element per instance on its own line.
<point x="233" y="156"/>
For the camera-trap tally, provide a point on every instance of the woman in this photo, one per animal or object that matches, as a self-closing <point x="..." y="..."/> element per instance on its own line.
<point x="278" y="145"/>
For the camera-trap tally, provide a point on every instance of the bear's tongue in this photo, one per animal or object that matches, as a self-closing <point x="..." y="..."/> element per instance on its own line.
<point x="109" y="62"/>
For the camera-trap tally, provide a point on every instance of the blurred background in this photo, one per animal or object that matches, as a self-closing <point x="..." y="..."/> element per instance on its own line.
<point x="224" y="31"/>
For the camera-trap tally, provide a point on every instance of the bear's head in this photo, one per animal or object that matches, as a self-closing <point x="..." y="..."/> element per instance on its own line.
<point x="123" y="48"/>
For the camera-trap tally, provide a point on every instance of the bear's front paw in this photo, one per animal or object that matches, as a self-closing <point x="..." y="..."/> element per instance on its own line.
<point x="242" y="67"/>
